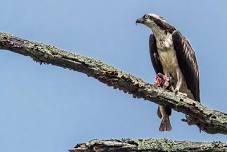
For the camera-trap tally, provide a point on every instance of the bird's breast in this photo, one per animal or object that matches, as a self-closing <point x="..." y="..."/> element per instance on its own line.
<point x="171" y="67"/>
<point x="169" y="61"/>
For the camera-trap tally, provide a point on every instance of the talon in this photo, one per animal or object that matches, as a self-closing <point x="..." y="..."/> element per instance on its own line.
<point x="183" y="94"/>
<point x="176" y="91"/>
<point x="171" y="88"/>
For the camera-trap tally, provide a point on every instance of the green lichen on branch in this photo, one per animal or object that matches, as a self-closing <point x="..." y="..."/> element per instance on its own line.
<point x="149" y="145"/>
<point x="208" y="120"/>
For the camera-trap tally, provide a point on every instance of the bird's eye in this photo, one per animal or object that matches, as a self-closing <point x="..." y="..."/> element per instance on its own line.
<point x="146" y="17"/>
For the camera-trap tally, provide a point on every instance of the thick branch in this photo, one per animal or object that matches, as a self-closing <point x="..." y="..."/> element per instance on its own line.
<point x="151" y="145"/>
<point x="208" y="120"/>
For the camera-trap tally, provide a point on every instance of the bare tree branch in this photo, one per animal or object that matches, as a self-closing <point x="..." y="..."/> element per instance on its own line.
<point x="151" y="145"/>
<point x="210" y="121"/>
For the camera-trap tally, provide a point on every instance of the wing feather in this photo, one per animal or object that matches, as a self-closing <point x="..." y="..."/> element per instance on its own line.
<point x="154" y="55"/>
<point x="187" y="62"/>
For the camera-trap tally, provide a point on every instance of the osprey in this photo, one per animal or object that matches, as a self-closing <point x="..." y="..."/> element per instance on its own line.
<point x="172" y="57"/>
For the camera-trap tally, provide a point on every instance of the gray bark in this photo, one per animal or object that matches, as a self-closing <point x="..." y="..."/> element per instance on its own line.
<point x="208" y="120"/>
<point x="149" y="145"/>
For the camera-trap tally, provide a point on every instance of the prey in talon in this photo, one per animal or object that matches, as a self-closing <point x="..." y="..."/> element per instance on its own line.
<point x="174" y="62"/>
<point x="164" y="81"/>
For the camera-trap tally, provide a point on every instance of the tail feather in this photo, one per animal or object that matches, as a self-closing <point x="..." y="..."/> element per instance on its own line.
<point x="165" y="124"/>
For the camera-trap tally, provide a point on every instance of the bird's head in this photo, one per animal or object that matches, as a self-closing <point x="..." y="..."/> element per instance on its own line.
<point x="155" y="23"/>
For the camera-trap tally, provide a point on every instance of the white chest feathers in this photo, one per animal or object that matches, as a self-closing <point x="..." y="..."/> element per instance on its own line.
<point x="169" y="61"/>
<point x="164" y="41"/>
<point x="167" y="54"/>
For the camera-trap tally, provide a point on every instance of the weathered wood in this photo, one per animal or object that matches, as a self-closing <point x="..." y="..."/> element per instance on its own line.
<point x="210" y="121"/>
<point x="149" y="145"/>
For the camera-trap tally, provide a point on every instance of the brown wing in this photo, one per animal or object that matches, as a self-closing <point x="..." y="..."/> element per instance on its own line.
<point x="187" y="62"/>
<point x="154" y="55"/>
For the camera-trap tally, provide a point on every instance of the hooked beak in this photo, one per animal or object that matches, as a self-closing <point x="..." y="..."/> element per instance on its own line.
<point x="140" y="20"/>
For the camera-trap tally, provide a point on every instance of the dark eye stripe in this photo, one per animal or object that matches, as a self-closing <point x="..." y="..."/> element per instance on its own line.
<point x="163" y="25"/>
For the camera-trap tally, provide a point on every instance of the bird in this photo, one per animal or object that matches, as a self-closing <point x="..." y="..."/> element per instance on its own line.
<point x="173" y="58"/>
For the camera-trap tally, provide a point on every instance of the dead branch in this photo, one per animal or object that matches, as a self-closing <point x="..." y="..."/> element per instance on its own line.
<point x="210" y="121"/>
<point x="151" y="145"/>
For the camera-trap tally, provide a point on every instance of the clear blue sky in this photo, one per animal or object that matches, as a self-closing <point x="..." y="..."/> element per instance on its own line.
<point x="50" y="109"/>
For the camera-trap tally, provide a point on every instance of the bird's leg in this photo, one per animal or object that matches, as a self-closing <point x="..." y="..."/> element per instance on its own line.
<point x="179" y="82"/>
<point x="164" y="81"/>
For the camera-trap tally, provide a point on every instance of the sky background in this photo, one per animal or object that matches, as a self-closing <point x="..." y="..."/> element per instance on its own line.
<point x="50" y="109"/>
